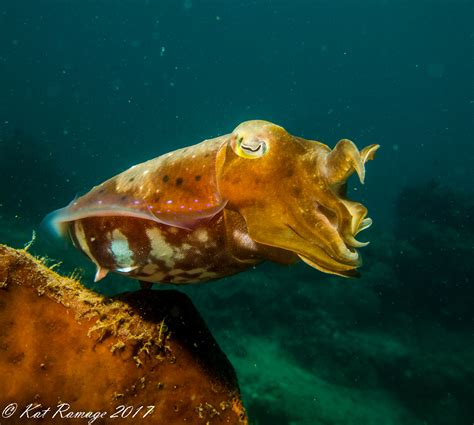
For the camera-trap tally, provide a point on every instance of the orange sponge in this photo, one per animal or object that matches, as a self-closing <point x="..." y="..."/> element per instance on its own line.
<point x="143" y="357"/>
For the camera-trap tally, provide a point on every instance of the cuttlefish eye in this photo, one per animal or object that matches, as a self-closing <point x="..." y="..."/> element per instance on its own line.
<point x="249" y="147"/>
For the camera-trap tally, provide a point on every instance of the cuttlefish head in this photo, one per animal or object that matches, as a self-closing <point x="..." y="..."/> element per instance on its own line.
<point x="291" y="193"/>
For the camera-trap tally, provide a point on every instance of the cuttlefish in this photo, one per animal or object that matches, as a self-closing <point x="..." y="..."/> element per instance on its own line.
<point x="222" y="206"/>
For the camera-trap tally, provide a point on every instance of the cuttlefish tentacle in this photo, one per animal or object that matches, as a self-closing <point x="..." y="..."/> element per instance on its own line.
<point x="368" y="153"/>
<point x="364" y="224"/>
<point x="344" y="159"/>
<point x="326" y="235"/>
<point x="292" y="237"/>
<point x="339" y="165"/>
<point x="348" y="214"/>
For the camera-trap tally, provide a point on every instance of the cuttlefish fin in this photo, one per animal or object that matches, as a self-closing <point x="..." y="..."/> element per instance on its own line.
<point x="345" y="158"/>
<point x="58" y="221"/>
<point x="53" y="224"/>
<point x="100" y="273"/>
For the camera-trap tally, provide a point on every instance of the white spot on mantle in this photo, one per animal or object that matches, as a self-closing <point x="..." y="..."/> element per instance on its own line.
<point x="121" y="250"/>
<point x="201" y="235"/>
<point x="160" y="249"/>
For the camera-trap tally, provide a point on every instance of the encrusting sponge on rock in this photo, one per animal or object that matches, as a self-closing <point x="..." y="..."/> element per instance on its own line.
<point x="143" y="357"/>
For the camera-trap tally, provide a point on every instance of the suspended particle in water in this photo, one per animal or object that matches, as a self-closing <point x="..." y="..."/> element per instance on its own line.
<point x="435" y="70"/>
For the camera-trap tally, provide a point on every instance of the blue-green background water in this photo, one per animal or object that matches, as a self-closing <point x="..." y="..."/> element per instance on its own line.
<point x="89" y="88"/>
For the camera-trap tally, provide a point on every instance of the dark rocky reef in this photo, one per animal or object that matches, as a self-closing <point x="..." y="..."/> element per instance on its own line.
<point x="434" y="233"/>
<point x="61" y="343"/>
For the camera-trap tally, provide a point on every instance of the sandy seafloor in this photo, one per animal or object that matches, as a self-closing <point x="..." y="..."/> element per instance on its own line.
<point x="394" y="347"/>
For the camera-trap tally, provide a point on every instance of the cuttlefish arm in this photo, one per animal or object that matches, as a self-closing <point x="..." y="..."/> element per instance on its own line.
<point x="177" y="189"/>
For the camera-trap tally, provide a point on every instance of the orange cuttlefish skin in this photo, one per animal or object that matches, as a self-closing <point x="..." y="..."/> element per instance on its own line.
<point x="222" y="206"/>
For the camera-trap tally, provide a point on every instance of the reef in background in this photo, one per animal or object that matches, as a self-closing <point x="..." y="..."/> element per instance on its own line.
<point x="61" y="343"/>
<point x="434" y="234"/>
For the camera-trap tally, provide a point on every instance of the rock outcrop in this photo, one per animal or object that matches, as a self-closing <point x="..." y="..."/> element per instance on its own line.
<point x="64" y="345"/>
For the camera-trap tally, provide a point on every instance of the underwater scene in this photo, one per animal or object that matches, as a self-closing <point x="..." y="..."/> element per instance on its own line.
<point x="188" y="189"/>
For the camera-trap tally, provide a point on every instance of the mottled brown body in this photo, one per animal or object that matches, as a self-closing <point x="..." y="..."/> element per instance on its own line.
<point x="223" y="205"/>
<point x="161" y="253"/>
